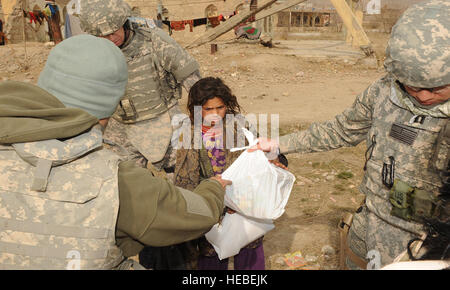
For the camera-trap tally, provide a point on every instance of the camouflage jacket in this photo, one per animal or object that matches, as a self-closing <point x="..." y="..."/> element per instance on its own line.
<point x="60" y="210"/>
<point x="74" y="194"/>
<point x="393" y="133"/>
<point x="157" y="66"/>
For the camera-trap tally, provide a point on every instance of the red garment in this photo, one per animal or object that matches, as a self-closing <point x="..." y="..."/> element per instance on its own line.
<point x="214" y="21"/>
<point x="32" y="17"/>
<point x="191" y="24"/>
<point x="177" y="25"/>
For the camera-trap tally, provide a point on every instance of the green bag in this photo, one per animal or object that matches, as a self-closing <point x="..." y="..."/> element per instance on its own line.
<point x="400" y="197"/>
<point x="411" y="203"/>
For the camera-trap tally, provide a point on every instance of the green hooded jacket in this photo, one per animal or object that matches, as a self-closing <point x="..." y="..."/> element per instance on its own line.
<point x="152" y="210"/>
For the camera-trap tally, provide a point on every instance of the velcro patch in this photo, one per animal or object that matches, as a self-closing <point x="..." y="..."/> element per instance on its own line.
<point x="403" y="134"/>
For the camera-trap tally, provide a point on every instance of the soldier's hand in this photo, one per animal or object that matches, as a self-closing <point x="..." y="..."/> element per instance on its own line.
<point x="223" y="182"/>
<point x="269" y="146"/>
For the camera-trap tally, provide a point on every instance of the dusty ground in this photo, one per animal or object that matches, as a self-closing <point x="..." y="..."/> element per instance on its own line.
<point x="301" y="86"/>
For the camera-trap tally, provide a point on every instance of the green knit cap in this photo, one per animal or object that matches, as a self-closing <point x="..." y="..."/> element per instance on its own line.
<point x="86" y="72"/>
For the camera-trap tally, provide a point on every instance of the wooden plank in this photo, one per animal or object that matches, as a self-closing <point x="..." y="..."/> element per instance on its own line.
<point x="352" y="25"/>
<point x="359" y="17"/>
<point x="277" y="8"/>
<point x="223" y="28"/>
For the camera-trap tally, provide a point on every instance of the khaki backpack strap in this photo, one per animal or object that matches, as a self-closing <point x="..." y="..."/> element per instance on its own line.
<point x="345" y="251"/>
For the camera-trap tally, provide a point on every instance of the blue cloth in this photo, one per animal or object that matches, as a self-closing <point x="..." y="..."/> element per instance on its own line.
<point x="67" y="28"/>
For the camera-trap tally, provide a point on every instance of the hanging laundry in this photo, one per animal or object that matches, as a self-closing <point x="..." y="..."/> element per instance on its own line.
<point x="32" y="17"/>
<point x="47" y="12"/>
<point x="53" y="9"/>
<point x="177" y="25"/>
<point x="191" y="24"/>
<point x="67" y="26"/>
<point x="39" y="16"/>
<point x="200" y="21"/>
<point x="214" y="21"/>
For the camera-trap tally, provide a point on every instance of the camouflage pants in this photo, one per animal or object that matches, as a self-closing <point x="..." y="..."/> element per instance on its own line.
<point x="373" y="239"/>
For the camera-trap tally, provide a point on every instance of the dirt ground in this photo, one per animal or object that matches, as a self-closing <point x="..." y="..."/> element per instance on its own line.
<point x="301" y="88"/>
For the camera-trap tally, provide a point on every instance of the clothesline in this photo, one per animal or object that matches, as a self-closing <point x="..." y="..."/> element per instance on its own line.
<point x="178" y="25"/>
<point x="185" y="4"/>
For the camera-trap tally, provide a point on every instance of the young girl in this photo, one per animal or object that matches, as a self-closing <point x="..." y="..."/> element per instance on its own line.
<point x="194" y="165"/>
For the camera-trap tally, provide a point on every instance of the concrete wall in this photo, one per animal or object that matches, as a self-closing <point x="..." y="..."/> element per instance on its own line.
<point x="184" y="9"/>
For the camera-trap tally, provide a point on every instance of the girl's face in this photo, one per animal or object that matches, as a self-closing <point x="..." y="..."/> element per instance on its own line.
<point x="214" y="110"/>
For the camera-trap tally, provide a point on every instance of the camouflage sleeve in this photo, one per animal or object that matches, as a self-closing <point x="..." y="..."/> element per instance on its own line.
<point x="347" y="129"/>
<point x="191" y="80"/>
<point x="173" y="57"/>
<point x="155" y="212"/>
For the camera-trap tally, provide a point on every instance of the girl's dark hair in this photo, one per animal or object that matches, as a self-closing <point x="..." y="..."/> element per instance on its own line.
<point x="209" y="88"/>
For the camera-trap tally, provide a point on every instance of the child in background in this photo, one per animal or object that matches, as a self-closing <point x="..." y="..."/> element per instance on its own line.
<point x="194" y="165"/>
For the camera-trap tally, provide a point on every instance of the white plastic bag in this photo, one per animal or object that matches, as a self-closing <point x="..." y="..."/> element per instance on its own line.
<point x="259" y="189"/>
<point x="235" y="232"/>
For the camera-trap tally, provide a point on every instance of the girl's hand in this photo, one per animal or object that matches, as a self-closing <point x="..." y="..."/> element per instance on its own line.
<point x="230" y="211"/>
<point x="277" y="162"/>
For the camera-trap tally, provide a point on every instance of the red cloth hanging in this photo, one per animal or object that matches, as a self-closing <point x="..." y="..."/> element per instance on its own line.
<point x="177" y="25"/>
<point x="191" y="24"/>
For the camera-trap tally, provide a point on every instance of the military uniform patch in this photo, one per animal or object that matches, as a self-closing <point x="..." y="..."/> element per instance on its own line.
<point x="403" y="134"/>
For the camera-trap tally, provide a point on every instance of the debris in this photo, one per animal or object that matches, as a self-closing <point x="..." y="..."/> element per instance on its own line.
<point x="330" y="178"/>
<point x="266" y="41"/>
<point x="311" y="258"/>
<point x="332" y="199"/>
<point x="328" y="250"/>
<point x="311" y="267"/>
<point x="295" y="260"/>
<point x="345" y="175"/>
<point x="280" y="260"/>
<point x="260" y="97"/>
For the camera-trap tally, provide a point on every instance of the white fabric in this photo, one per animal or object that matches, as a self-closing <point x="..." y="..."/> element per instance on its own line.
<point x="259" y="189"/>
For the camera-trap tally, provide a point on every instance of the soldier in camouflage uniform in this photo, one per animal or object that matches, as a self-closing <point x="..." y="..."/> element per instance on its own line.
<point x="404" y="119"/>
<point x="157" y="68"/>
<point x="61" y="188"/>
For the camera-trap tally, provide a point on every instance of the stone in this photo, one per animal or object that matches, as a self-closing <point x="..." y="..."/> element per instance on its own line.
<point x="328" y="250"/>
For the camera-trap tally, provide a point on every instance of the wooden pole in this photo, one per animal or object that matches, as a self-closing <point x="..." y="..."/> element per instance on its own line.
<point x="353" y="26"/>
<point x="219" y="30"/>
<point x="24" y="34"/>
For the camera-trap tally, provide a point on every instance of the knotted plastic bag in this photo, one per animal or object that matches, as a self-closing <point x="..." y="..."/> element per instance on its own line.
<point x="235" y="232"/>
<point x="259" y="189"/>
